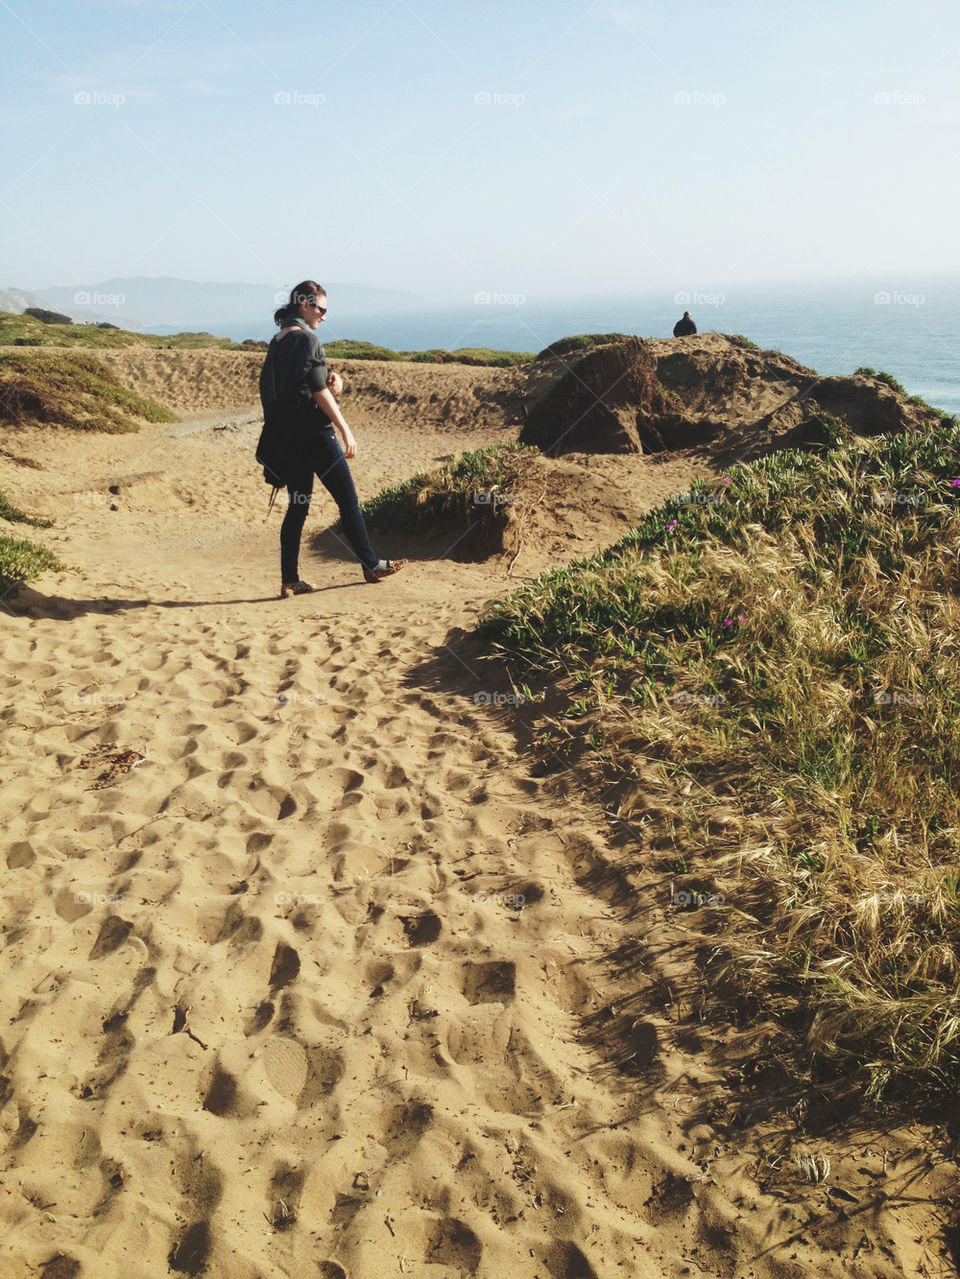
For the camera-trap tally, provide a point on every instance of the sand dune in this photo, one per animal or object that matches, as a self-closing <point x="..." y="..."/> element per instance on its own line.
<point x="304" y="973"/>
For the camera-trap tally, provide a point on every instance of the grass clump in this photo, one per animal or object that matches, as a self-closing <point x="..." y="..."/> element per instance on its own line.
<point x="71" y="389"/>
<point x="27" y="330"/>
<point x="349" y="349"/>
<point x="888" y="378"/>
<point x="480" y="356"/>
<point x="429" y="498"/>
<point x="13" y="515"/>
<point x="20" y="560"/>
<point x="773" y="658"/>
<point x="580" y="344"/>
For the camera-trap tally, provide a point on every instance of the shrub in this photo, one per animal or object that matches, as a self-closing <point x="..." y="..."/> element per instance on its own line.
<point x="426" y="499"/>
<point x="580" y="344"/>
<point x="47" y="317"/>
<point x="774" y="663"/>
<point x="71" y="389"/>
<point x="888" y="378"/>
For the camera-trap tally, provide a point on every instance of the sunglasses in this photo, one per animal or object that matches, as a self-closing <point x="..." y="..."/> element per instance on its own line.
<point x="317" y="307"/>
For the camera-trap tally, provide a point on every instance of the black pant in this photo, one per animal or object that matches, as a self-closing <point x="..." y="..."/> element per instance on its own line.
<point x="323" y="457"/>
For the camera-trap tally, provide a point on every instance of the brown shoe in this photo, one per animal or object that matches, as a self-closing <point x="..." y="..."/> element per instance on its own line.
<point x="295" y="588"/>
<point x="377" y="574"/>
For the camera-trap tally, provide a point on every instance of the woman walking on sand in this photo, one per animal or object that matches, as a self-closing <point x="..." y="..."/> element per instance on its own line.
<point x="299" y="414"/>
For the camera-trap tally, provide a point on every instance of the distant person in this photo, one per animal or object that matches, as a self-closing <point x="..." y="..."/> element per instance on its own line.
<point x="299" y="414"/>
<point x="684" y="328"/>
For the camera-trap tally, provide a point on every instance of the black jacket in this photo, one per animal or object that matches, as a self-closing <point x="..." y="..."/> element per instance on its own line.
<point x="295" y="366"/>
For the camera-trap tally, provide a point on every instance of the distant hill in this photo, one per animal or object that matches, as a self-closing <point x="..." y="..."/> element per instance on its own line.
<point x="169" y="305"/>
<point x="16" y="301"/>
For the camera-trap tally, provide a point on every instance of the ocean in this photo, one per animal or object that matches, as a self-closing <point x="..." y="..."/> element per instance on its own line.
<point x="909" y="328"/>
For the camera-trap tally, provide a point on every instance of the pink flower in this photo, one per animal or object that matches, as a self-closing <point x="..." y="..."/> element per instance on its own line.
<point x="728" y="621"/>
<point x="955" y="484"/>
<point x="672" y="525"/>
<point x="726" y="479"/>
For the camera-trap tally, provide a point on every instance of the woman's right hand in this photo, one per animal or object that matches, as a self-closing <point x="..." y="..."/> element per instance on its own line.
<point x="349" y="443"/>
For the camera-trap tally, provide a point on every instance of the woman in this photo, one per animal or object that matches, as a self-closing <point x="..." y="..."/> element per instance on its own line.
<point x="299" y="414"/>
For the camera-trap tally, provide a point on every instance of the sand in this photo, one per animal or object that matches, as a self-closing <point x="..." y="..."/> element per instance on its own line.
<point x="304" y="971"/>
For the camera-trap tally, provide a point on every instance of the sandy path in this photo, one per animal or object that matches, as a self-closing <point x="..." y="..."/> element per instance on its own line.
<point x="304" y="992"/>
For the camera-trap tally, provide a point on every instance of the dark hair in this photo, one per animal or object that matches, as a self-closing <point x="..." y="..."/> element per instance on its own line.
<point x="301" y="292"/>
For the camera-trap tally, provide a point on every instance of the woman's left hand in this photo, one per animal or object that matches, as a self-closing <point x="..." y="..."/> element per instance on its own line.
<point x="349" y="443"/>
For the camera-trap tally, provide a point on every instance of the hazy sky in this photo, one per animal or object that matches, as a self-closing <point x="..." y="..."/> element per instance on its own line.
<point x="534" y="147"/>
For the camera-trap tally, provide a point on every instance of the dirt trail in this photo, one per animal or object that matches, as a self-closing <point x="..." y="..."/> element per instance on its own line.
<point x="300" y="962"/>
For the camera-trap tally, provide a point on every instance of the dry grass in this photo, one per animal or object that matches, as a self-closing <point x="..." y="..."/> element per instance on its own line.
<point x="69" y="389"/>
<point x="428" y="501"/>
<point x="20" y="560"/>
<point x="776" y="664"/>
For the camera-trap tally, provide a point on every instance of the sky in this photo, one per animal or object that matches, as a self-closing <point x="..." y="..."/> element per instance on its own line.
<point x="534" y="148"/>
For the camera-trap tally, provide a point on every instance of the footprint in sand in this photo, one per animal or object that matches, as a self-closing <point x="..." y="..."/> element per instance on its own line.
<point x="189" y="1255"/>
<point x="232" y="925"/>
<point x="325" y="1068"/>
<point x="565" y="1261"/>
<point x="421" y="930"/>
<point x="285" y="967"/>
<point x="260" y="1018"/>
<point x="379" y="974"/>
<point x="454" y="1244"/>
<point x="60" y="1267"/>
<point x="221" y="1098"/>
<point x="20" y="855"/>
<point x="285" y="1065"/>
<point x="406" y="1125"/>
<point x="283" y="1199"/>
<point x="201" y="1185"/>
<point x="489" y="983"/>
<point x="113" y="933"/>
